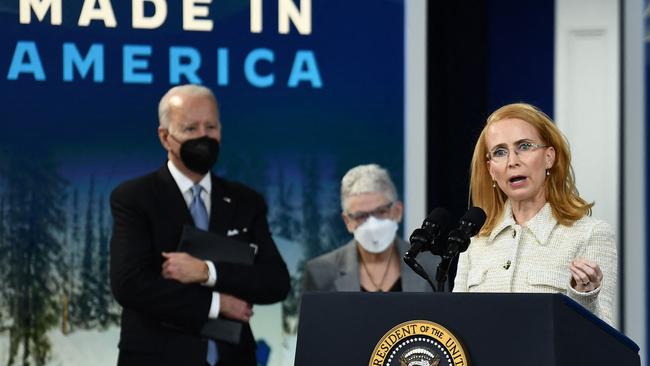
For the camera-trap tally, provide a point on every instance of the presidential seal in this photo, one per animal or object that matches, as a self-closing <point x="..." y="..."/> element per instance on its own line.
<point x="419" y="343"/>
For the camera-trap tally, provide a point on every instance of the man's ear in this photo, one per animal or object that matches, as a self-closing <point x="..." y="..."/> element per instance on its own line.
<point x="163" y="135"/>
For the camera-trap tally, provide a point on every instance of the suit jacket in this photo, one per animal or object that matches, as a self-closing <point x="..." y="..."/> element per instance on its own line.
<point x="338" y="270"/>
<point x="536" y="258"/>
<point x="161" y="318"/>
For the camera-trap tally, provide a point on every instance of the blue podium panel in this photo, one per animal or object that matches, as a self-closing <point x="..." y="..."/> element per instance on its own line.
<point x="491" y="329"/>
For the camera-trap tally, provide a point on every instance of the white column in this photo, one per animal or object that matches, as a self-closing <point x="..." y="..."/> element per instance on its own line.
<point x="634" y="176"/>
<point x="587" y="98"/>
<point x="415" y="115"/>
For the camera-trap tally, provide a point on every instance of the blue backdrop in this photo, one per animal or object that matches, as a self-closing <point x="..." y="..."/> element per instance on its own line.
<point x="79" y="115"/>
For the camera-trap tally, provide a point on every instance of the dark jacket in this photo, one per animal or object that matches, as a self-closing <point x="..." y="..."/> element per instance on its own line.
<point x="148" y="214"/>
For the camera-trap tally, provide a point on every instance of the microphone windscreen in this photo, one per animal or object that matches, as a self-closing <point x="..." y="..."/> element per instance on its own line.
<point x="439" y="216"/>
<point x="476" y="217"/>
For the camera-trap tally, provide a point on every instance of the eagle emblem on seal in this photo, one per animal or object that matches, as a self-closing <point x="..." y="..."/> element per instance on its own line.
<point x="419" y="356"/>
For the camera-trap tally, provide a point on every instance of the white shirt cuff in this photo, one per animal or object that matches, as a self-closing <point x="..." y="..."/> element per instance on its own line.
<point x="212" y="275"/>
<point x="214" y="307"/>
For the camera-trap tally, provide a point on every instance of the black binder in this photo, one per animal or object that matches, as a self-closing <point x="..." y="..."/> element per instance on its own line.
<point x="218" y="249"/>
<point x="214" y="247"/>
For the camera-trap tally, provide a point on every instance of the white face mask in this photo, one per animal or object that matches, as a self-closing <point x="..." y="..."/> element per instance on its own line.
<point x="376" y="235"/>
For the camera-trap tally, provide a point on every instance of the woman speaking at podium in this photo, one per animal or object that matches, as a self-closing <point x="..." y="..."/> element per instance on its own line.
<point x="539" y="235"/>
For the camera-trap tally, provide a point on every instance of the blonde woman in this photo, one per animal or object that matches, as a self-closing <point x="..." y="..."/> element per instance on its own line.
<point x="539" y="235"/>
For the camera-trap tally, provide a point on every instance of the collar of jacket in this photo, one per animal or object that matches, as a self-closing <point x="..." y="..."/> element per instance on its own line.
<point x="539" y="225"/>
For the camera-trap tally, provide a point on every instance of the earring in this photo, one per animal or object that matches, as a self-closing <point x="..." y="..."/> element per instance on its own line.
<point x="548" y="173"/>
<point x="494" y="184"/>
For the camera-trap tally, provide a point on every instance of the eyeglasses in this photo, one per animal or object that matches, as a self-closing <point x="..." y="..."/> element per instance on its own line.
<point x="501" y="153"/>
<point x="380" y="212"/>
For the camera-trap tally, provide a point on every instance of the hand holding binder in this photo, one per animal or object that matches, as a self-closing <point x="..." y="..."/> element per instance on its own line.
<point x="218" y="249"/>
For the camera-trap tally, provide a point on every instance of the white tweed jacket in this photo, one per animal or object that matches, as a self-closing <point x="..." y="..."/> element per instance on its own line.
<point x="536" y="258"/>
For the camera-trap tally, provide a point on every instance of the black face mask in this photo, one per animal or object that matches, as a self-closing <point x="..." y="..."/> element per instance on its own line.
<point x="200" y="154"/>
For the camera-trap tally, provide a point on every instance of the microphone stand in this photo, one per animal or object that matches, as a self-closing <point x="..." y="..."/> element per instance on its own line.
<point x="420" y="238"/>
<point x="442" y="271"/>
<point x="453" y="249"/>
<point x="417" y="268"/>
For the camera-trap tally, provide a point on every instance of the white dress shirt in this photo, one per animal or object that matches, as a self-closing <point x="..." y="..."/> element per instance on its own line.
<point x="536" y="258"/>
<point x="185" y="185"/>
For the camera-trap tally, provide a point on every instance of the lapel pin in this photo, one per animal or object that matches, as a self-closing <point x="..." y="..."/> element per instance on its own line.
<point x="227" y="199"/>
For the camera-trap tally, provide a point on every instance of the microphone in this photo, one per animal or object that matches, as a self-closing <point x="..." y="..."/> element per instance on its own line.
<point x="457" y="241"/>
<point x="469" y="225"/>
<point x="423" y="238"/>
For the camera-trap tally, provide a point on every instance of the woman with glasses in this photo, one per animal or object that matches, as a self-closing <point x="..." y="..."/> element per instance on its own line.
<point x="539" y="235"/>
<point x="371" y="261"/>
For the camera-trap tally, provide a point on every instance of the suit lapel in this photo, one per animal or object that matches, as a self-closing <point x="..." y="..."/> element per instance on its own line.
<point x="221" y="211"/>
<point x="171" y="199"/>
<point x="348" y="263"/>
<point x="348" y="279"/>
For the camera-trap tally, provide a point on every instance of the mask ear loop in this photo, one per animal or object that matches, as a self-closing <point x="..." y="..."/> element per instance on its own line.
<point x="178" y="156"/>
<point x="173" y="137"/>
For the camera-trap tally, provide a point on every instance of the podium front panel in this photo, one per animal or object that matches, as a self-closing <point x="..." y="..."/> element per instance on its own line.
<point x="495" y="329"/>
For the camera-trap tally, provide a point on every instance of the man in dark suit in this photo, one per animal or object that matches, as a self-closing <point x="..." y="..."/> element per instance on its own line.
<point x="168" y="296"/>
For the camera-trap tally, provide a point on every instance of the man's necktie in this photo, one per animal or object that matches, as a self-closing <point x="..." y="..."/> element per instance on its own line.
<point x="197" y="208"/>
<point x="200" y="216"/>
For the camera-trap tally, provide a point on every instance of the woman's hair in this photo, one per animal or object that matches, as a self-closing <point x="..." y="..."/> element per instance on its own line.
<point x="561" y="192"/>
<point x="367" y="178"/>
